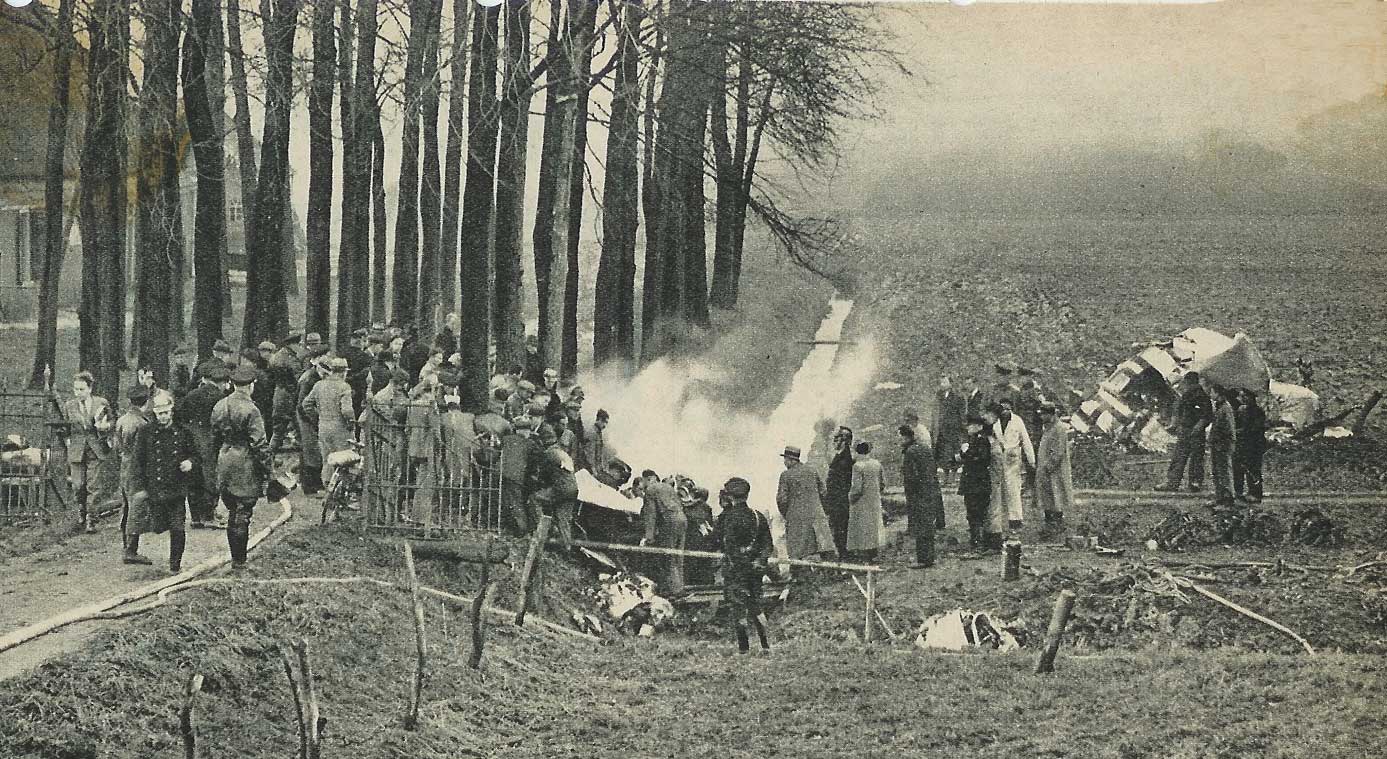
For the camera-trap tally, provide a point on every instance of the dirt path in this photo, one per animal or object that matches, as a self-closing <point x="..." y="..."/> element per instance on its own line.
<point x="87" y="569"/>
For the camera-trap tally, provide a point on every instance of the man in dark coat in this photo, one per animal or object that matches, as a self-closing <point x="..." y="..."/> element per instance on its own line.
<point x="245" y="462"/>
<point x="358" y="369"/>
<point x="285" y="367"/>
<point x="264" y="388"/>
<point x="924" y="503"/>
<point x="555" y="488"/>
<point x="947" y="423"/>
<point x="1251" y="448"/>
<point x="414" y="354"/>
<point x="665" y="527"/>
<point x="1193" y="416"/>
<point x="161" y="465"/>
<point x="838" y="487"/>
<point x="699" y="537"/>
<point x="744" y="536"/>
<point x="1222" y="439"/>
<point x="194" y="413"/>
<point x="310" y="455"/>
<point x="975" y="479"/>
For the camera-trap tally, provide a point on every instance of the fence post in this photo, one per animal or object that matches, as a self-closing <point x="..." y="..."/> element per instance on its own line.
<point x="1058" y="619"/>
<point x="871" y="607"/>
<point x="531" y="559"/>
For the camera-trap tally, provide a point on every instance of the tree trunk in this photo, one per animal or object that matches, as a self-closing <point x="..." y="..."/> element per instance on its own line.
<point x="453" y="159"/>
<point x="267" y="307"/>
<point x="209" y="220"/>
<point x="245" y="140"/>
<point x="650" y="278"/>
<point x="54" y="242"/>
<point x="103" y="191"/>
<point x="614" y="300"/>
<point x="583" y="19"/>
<point x="406" y="258"/>
<point x="318" y="224"/>
<point x="378" y="220"/>
<point x="550" y="327"/>
<point x="347" y="272"/>
<point x="752" y="150"/>
<point x="477" y="198"/>
<point x="510" y="190"/>
<point x="158" y="211"/>
<point x="354" y="252"/>
<point x="431" y="183"/>
<point x="728" y="166"/>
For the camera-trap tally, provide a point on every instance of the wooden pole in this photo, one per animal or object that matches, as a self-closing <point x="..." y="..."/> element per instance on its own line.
<point x="1011" y="567"/>
<point x="312" y="720"/>
<point x="880" y="619"/>
<point x="298" y="700"/>
<point x="417" y="697"/>
<point x="1058" y="619"/>
<point x="527" y="575"/>
<point x="185" y="716"/>
<point x="478" y="618"/>
<point x="657" y="551"/>
<point x="871" y="607"/>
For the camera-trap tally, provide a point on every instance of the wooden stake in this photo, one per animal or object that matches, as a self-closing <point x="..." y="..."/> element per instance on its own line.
<point x="298" y="701"/>
<point x="863" y="590"/>
<point x="311" y="719"/>
<point x="478" y="618"/>
<point x="417" y="697"/>
<point x="1011" y="568"/>
<point x="871" y="607"/>
<point x="527" y="575"/>
<point x="1058" y="619"/>
<point x="185" y="716"/>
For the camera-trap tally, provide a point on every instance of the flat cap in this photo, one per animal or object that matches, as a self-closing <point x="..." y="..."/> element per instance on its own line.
<point x="737" y="488"/>
<point x="220" y="346"/>
<point x="360" y="332"/>
<point x="266" y="345"/>
<point x="294" y="336"/>
<point x="337" y="364"/>
<point x="244" y="375"/>
<point x="313" y="338"/>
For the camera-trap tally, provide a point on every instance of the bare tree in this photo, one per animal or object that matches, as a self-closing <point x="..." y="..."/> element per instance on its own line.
<point x="209" y="219"/>
<point x="477" y="198"/>
<point x="550" y="319"/>
<point x="406" y="256"/>
<point x="354" y="247"/>
<point x="318" y="224"/>
<point x="245" y="140"/>
<point x="453" y="158"/>
<point x="378" y="220"/>
<point x="347" y="273"/>
<point x="510" y="188"/>
<point x="431" y="183"/>
<point x="55" y="237"/>
<point x="581" y="38"/>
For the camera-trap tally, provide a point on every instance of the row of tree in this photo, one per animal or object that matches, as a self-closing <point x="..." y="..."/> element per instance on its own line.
<point x="692" y="95"/>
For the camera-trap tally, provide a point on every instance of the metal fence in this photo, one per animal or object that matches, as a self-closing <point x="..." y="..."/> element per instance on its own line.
<point x="428" y="472"/>
<point x="33" y="472"/>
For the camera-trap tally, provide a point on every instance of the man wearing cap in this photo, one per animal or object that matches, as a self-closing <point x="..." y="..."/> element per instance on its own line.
<point x="310" y="454"/>
<point x="573" y="409"/>
<point x="382" y="364"/>
<point x="223" y="353"/>
<point x="518" y="401"/>
<point x="422" y="438"/>
<point x="264" y="388"/>
<point x="1054" y="480"/>
<point x="554" y="489"/>
<point x="975" y="478"/>
<point x="666" y="526"/>
<point x="596" y="449"/>
<point x="244" y="460"/>
<point x="744" y="537"/>
<point x="329" y="406"/>
<point x="554" y="408"/>
<point x="800" y="500"/>
<point x="89" y="424"/>
<point x="382" y="422"/>
<point x="517" y="448"/>
<point x="162" y="463"/>
<point x="924" y="502"/>
<point x="358" y="368"/>
<point x="123" y="445"/>
<point x="285" y="367"/>
<point x="194" y="413"/>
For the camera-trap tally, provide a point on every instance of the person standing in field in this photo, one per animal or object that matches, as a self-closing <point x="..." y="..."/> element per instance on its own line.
<point x="89" y="424"/>
<point x="838" y="489"/>
<point x="1251" y="448"/>
<point x="244" y="461"/>
<point x="744" y="537"/>
<point x="310" y="454"/>
<point x="800" y="500"/>
<point x="699" y="537"/>
<point x="1016" y="451"/>
<point x="975" y="480"/>
<point x="997" y="498"/>
<point x="194" y="412"/>
<point x="948" y="422"/>
<point x="516" y="448"/>
<point x="123" y="445"/>
<point x="924" y="502"/>
<point x="162" y="462"/>
<point x="666" y="526"/>
<point x="1193" y="416"/>
<point x="556" y="489"/>
<point x="866" y="523"/>
<point x="1222" y="439"/>
<point x="1054" y="479"/>
<point x="597" y="451"/>
<point x="329" y="406"/>
<point x="922" y="433"/>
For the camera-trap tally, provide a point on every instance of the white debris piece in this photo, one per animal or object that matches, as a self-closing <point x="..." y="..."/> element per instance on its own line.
<point x="630" y="601"/>
<point x="888" y="386"/>
<point x="961" y="629"/>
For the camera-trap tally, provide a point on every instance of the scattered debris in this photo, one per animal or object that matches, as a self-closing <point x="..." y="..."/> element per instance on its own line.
<point x="630" y="601"/>
<point x="1313" y="527"/>
<point x="1248" y="525"/>
<point x="1180" y="529"/>
<point x="961" y="629"/>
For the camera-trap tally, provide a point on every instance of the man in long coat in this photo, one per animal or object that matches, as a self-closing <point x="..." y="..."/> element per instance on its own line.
<point x="1222" y="440"/>
<point x="162" y="463"/>
<point x="800" y="500"/>
<point x="123" y="445"/>
<point x="666" y="526"/>
<point x="1192" y="418"/>
<point x="744" y="536"/>
<point x="310" y="455"/>
<point x="1016" y="450"/>
<point x="947" y="423"/>
<point x="194" y="413"/>
<point x="837" y="488"/>
<point x="866" y="521"/>
<point x="244" y="461"/>
<point x="329" y="405"/>
<point x="1054" y="480"/>
<point x="90" y="422"/>
<point x="924" y="502"/>
<point x="285" y="367"/>
<point x="975" y="480"/>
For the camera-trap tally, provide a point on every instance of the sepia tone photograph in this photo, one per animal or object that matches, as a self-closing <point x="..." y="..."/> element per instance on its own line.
<point x="662" y="378"/>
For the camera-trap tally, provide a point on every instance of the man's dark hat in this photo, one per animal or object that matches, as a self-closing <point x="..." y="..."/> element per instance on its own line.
<point x="292" y="338"/>
<point x="737" y="487"/>
<point x="137" y="394"/>
<point x="360" y="332"/>
<point x="975" y="419"/>
<point x="244" y="375"/>
<point x="215" y="371"/>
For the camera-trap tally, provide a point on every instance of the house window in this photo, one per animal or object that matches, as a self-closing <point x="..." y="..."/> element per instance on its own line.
<point x="233" y="212"/>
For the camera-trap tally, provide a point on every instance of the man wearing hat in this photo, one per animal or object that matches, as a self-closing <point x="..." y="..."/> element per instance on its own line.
<point x="162" y="464"/>
<point x="264" y="388"/>
<point x="1054" y="480"/>
<point x="519" y="400"/>
<point x="800" y="500"/>
<point x="194" y="413"/>
<point x="358" y="367"/>
<point x="924" y="502"/>
<point x="285" y="368"/>
<point x="382" y="422"/>
<point x="975" y="478"/>
<point x="555" y="491"/>
<point x="517" y="448"/>
<point x="223" y="353"/>
<point x="123" y="445"/>
<point x="744" y="537"/>
<point x="666" y="526"/>
<point x="329" y="406"/>
<point x="244" y="460"/>
<point x="310" y="454"/>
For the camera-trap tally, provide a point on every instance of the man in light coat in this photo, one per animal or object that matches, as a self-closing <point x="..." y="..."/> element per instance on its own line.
<point x="329" y="404"/>
<point x="1016" y="450"/>
<point x="800" y="500"/>
<point x="89" y="425"/>
<point x="666" y="526"/>
<point x="1054" y="481"/>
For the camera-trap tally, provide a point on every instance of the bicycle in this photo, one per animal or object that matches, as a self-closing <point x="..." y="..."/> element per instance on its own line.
<point x="347" y="481"/>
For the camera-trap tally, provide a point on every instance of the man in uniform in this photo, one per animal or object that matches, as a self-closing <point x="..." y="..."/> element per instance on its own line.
<point x="924" y="502"/>
<point x="244" y="462"/>
<point x="123" y="445"/>
<point x="161" y="466"/>
<point x="744" y="536"/>
<point x="285" y="368"/>
<point x="89" y="424"/>
<point x="194" y="413"/>
<point x="329" y="406"/>
<point x="947" y="423"/>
